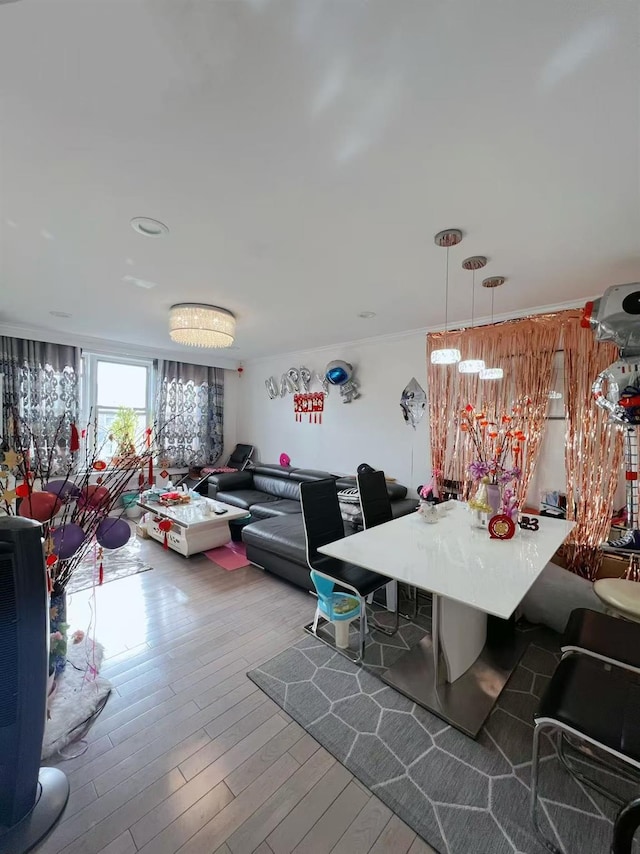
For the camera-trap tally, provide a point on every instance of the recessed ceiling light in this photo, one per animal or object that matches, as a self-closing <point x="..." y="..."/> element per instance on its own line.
<point x="46" y="234"/>
<point x="11" y="223"/>
<point x="141" y="283"/>
<point x="60" y="313"/>
<point x="149" y="227"/>
<point x="366" y="315"/>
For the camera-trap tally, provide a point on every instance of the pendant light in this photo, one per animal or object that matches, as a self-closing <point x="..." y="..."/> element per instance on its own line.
<point x="476" y="262"/>
<point x="492" y="283"/>
<point x="446" y="355"/>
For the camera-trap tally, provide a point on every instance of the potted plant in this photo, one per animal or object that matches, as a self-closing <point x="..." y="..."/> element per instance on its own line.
<point x="123" y="431"/>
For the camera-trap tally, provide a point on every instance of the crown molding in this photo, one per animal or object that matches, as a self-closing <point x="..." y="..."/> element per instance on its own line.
<point x="410" y="333"/>
<point x="116" y="348"/>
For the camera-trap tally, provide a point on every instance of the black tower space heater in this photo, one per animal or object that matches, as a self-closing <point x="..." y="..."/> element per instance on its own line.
<point x="31" y="799"/>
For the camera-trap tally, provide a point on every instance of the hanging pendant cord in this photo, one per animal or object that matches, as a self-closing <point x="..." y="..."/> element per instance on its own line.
<point x="446" y="297"/>
<point x="473" y="297"/>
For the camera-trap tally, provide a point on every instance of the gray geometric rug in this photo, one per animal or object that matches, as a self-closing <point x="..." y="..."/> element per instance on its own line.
<point x="458" y="794"/>
<point x="116" y="564"/>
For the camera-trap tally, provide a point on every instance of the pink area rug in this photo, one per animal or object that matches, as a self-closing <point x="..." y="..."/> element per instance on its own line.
<point x="229" y="557"/>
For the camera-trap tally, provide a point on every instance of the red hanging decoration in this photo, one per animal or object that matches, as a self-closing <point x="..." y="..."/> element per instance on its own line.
<point x="100" y="568"/>
<point x="165" y="525"/>
<point x="74" y="442"/>
<point x="141" y="479"/>
<point x="149" y="433"/>
<point x="311" y="404"/>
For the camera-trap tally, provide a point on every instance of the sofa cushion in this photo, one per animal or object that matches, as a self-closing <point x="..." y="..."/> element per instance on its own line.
<point x="283" y="507"/>
<point x="281" y="534"/>
<point x="305" y="475"/>
<point x="277" y="486"/>
<point x="231" y="480"/>
<point x="244" y="498"/>
<point x="273" y="470"/>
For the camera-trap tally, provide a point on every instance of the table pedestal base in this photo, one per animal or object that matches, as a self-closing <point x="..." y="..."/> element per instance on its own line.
<point x="467" y="702"/>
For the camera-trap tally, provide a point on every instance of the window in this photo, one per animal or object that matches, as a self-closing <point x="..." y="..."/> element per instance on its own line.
<point x="112" y="384"/>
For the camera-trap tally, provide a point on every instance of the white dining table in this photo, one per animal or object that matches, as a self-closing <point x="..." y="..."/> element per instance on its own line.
<point x="456" y="672"/>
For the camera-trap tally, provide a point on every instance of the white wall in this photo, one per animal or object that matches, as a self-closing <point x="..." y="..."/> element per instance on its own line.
<point x="370" y="429"/>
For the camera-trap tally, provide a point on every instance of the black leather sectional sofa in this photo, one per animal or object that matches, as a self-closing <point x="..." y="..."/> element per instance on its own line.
<point x="274" y="536"/>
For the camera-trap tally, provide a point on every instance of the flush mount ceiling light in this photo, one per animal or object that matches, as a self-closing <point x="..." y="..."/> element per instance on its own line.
<point x="492" y="283"/>
<point x="476" y="262"/>
<point x="149" y="227"/>
<point x="59" y="314"/>
<point x="446" y="355"/>
<point x="366" y="315"/>
<point x="198" y="325"/>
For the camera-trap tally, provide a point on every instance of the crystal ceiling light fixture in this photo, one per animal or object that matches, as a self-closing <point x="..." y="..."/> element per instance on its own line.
<point x="446" y="355"/>
<point x="476" y="262"/>
<point x="199" y="325"/>
<point x="492" y="283"/>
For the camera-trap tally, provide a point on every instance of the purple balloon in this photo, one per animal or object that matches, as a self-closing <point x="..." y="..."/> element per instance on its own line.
<point x="67" y="539"/>
<point x="62" y="488"/>
<point x="113" y="533"/>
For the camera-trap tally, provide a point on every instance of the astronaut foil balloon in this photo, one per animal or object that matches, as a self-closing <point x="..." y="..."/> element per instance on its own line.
<point x="615" y="317"/>
<point x="340" y="373"/>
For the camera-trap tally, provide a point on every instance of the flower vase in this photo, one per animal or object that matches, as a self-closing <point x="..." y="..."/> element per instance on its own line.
<point x="494" y="498"/>
<point x="58" y="632"/>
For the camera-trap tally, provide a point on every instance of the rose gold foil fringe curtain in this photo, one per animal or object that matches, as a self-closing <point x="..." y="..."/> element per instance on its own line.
<point x="594" y="450"/>
<point x="525" y="350"/>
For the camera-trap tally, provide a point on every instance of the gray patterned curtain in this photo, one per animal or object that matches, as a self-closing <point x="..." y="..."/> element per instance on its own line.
<point x="189" y="411"/>
<point x="40" y="382"/>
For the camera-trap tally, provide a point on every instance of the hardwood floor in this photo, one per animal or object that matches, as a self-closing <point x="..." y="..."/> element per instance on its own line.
<point x="188" y="755"/>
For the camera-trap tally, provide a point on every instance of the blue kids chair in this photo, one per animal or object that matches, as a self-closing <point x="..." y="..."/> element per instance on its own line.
<point x="339" y="608"/>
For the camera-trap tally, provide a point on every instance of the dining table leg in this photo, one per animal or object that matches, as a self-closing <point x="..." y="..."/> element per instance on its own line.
<point x="454" y="672"/>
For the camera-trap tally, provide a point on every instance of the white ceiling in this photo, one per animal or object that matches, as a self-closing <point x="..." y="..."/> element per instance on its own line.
<point x="304" y="152"/>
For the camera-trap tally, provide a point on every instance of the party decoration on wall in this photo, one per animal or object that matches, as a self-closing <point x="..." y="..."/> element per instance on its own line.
<point x="272" y="388"/>
<point x="413" y="402"/>
<point x="295" y="381"/>
<point x="340" y="373"/>
<point x="311" y="404"/>
<point x="285" y="460"/>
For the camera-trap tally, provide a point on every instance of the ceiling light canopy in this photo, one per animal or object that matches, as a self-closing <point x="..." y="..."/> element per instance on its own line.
<point x="198" y="325"/>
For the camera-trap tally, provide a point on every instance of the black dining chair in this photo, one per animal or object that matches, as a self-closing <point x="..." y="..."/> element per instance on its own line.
<point x="595" y="705"/>
<point x="624" y="829"/>
<point x="610" y="639"/>
<point x="376" y="510"/>
<point x="323" y="524"/>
